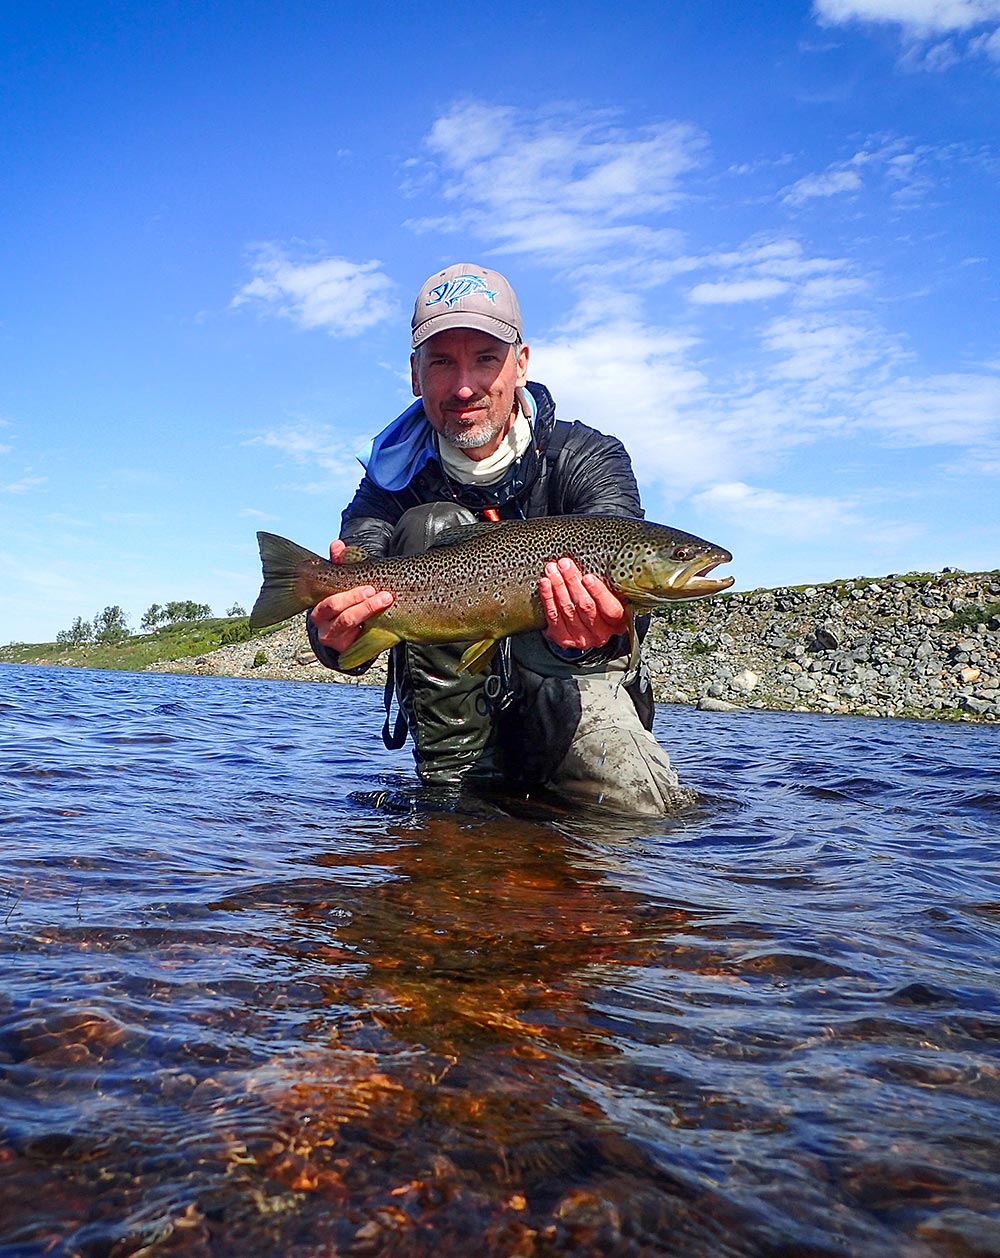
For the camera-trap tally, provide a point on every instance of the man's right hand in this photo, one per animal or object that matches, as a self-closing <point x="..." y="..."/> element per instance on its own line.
<point x="338" y="619"/>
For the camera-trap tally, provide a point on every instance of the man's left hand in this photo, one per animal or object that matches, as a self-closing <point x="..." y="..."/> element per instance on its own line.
<point x="581" y="611"/>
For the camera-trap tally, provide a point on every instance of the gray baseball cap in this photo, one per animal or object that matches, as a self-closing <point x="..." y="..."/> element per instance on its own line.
<point x="467" y="296"/>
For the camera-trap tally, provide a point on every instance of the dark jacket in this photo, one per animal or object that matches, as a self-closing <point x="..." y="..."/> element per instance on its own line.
<point x="570" y="469"/>
<point x="591" y="475"/>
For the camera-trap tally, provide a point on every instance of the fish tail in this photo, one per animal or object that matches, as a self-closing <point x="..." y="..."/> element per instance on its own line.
<point x="285" y="590"/>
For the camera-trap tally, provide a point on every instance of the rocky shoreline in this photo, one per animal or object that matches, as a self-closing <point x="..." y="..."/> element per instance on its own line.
<point x="913" y="646"/>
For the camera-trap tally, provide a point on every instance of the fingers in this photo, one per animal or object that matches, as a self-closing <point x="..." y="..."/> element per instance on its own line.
<point x="339" y="618"/>
<point x="581" y="611"/>
<point x="609" y="606"/>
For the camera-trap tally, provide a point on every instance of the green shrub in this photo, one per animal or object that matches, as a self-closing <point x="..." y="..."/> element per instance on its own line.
<point x="970" y="616"/>
<point x="239" y="631"/>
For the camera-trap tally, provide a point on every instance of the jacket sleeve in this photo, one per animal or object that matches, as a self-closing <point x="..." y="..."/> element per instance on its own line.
<point x="370" y="517"/>
<point x="595" y="476"/>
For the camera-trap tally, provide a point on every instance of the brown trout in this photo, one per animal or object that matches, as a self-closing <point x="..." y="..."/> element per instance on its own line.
<point x="478" y="583"/>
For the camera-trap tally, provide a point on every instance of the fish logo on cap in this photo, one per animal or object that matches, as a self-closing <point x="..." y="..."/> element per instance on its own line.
<point x="458" y="287"/>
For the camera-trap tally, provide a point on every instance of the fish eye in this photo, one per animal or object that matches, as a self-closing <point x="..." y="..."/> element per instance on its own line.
<point x="684" y="552"/>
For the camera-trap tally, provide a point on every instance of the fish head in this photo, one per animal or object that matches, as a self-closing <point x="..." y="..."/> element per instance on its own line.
<point x="662" y="565"/>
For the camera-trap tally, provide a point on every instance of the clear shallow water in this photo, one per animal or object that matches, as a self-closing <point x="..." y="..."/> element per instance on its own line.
<point x="261" y="996"/>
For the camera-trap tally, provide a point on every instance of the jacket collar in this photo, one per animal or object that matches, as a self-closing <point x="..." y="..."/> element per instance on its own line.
<point x="404" y="451"/>
<point x="521" y="474"/>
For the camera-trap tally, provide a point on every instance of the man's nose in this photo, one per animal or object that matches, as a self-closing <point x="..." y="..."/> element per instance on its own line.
<point x="464" y="383"/>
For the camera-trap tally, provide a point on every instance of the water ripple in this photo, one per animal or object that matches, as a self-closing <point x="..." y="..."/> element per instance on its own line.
<point x="262" y="994"/>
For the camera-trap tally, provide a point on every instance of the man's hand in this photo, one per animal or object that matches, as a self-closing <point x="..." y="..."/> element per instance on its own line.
<point x="581" y="611"/>
<point x="338" y="619"/>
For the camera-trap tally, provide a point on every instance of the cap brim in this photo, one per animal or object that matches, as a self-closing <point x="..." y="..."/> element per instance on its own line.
<point x="459" y="319"/>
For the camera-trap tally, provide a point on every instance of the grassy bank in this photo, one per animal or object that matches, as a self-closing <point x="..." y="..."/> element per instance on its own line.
<point x="170" y="642"/>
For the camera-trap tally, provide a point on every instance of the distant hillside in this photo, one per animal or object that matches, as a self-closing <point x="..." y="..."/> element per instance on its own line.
<point x="170" y="642"/>
<point x="920" y="645"/>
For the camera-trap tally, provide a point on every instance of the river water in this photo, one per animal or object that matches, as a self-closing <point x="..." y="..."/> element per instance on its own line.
<point x="261" y="996"/>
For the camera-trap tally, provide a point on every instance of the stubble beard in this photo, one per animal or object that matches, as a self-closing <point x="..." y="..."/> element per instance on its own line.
<point x="474" y="436"/>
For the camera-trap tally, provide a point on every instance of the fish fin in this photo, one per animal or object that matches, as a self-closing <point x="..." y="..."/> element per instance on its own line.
<point x="464" y="532"/>
<point x="281" y="594"/>
<point x="354" y="554"/>
<point x="478" y="657"/>
<point x="371" y="643"/>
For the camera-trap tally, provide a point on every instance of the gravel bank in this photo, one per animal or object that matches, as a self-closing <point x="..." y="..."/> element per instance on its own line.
<point x="913" y="646"/>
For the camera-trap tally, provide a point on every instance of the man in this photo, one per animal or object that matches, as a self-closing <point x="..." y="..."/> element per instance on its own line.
<point x="560" y="709"/>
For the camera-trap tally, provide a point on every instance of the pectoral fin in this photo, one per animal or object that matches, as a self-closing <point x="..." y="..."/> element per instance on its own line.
<point x="477" y="658"/>
<point x="371" y="643"/>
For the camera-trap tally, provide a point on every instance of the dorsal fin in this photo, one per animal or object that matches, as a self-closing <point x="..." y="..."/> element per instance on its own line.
<point x="464" y="532"/>
<point x="354" y="554"/>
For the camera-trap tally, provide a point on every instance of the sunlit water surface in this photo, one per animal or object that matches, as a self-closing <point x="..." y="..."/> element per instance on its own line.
<point x="260" y="996"/>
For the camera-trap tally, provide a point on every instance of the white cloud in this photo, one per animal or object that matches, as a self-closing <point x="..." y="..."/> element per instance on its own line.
<point x="917" y="16"/>
<point x="903" y="166"/>
<point x="560" y="184"/>
<point x="921" y="25"/>
<point x="773" y="513"/>
<point x="685" y="424"/>
<point x="827" y="289"/>
<point x="760" y="271"/>
<point x="785" y="259"/>
<point x="313" y="445"/>
<point x="637" y="382"/>
<point x="951" y="409"/>
<point x="989" y="44"/>
<point x="828" y="184"/>
<point x="23" y="485"/>
<point x="729" y="292"/>
<point x="823" y="349"/>
<point x="342" y="297"/>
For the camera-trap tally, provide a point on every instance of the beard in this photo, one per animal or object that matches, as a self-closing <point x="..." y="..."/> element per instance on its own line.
<point x="473" y="436"/>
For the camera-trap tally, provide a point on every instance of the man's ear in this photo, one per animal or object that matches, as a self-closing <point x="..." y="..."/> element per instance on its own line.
<point x="522" y="366"/>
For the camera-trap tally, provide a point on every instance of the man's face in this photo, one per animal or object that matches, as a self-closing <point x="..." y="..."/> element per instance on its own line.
<point x="467" y="381"/>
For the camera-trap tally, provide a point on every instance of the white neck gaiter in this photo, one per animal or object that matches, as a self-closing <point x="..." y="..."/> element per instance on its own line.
<point x="488" y="471"/>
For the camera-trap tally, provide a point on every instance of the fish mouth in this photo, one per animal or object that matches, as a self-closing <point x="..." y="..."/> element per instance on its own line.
<point x="693" y="581"/>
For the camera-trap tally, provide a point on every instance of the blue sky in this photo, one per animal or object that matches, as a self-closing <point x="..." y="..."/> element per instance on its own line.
<point x="758" y="242"/>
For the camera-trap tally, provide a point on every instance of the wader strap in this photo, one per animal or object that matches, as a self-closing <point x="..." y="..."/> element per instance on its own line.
<point x="393" y="741"/>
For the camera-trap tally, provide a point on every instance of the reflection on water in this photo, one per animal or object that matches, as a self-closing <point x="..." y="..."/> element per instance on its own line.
<point x="260" y="996"/>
